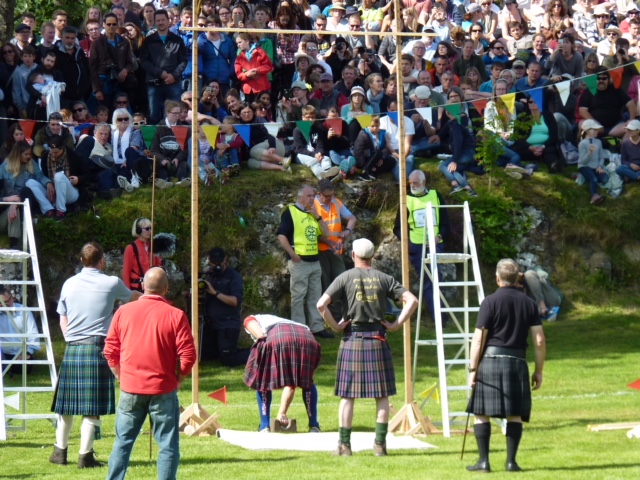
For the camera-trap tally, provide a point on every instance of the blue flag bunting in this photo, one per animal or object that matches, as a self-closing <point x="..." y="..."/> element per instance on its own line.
<point x="245" y="133"/>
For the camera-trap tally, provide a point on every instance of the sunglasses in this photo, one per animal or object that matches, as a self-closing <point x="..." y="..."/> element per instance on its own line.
<point x="612" y="34"/>
<point x="146" y="229"/>
<point x="498" y="48"/>
<point x="76" y="110"/>
<point x="476" y="31"/>
<point x="137" y="124"/>
<point x="603" y="79"/>
<point x="123" y="119"/>
<point x="111" y="24"/>
<point x="122" y="102"/>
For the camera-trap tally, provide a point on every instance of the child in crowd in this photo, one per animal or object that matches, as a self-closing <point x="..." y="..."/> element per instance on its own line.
<point x="371" y="151"/>
<point x="591" y="159"/>
<point x="630" y="153"/>
<point x="49" y="91"/>
<point x="227" y="146"/>
<point x="139" y="120"/>
<point x="207" y="170"/>
<point x="102" y="114"/>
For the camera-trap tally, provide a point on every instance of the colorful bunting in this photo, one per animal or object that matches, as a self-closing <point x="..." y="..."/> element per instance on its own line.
<point x="426" y="113"/>
<point x="616" y="76"/>
<point x="220" y="395"/>
<point x="305" y="128"/>
<point x="245" y="133"/>
<point x="148" y="132"/>
<point x="591" y="81"/>
<point x="564" y="89"/>
<point x="393" y="116"/>
<point x="480" y="105"/>
<point x="635" y="385"/>
<point x="637" y="65"/>
<point x="211" y="132"/>
<point x="364" y="120"/>
<point x="182" y="133"/>
<point x="28" y="126"/>
<point x="538" y="97"/>
<point x="454" y="109"/>
<point x="432" y="390"/>
<point x="335" y="123"/>
<point x="509" y="100"/>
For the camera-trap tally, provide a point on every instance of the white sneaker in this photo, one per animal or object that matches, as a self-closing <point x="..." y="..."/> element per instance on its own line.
<point x="124" y="183"/>
<point x="162" y="184"/>
<point x="185" y="182"/>
<point x="135" y="181"/>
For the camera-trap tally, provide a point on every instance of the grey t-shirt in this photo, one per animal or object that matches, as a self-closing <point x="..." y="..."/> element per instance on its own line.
<point x="364" y="292"/>
<point x="87" y="300"/>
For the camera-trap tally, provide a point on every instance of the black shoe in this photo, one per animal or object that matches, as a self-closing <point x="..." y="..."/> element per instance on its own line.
<point x="365" y="177"/>
<point x="59" y="456"/>
<point x="480" y="467"/>
<point x="324" y="334"/>
<point x="513" y="467"/>
<point x="88" y="460"/>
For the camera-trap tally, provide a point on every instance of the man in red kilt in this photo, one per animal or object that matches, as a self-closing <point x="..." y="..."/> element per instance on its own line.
<point x="285" y="356"/>
<point x="364" y="366"/>
<point x="500" y="375"/>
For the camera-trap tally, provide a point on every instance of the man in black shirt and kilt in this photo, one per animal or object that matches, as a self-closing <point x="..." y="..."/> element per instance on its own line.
<point x="364" y="367"/>
<point x="500" y="378"/>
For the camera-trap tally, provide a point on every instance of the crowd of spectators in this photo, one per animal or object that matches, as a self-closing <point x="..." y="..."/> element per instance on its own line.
<point x="91" y="87"/>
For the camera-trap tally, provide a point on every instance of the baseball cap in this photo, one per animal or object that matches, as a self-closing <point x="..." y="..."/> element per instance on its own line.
<point x="363" y="248"/>
<point x="299" y="84"/>
<point x="633" y="125"/>
<point x="216" y="255"/>
<point x="590" y="124"/>
<point x="351" y="11"/>
<point x="519" y="63"/>
<point x="600" y="10"/>
<point x="422" y="92"/>
<point x="428" y="30"/>
<point x="474" y="8"/>
<point x="325" y="77"/>
<point x="22" y="27"/>
<point x="355" y="90"/>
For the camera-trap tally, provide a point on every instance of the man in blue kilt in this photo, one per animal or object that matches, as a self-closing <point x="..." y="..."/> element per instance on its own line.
<point x="86" y="385"/>
<point x="364" y="367"/>
<point x="285" y="356"/>
<point x="499" y="375"/>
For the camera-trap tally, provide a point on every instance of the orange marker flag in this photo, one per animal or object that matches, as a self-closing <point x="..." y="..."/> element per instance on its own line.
<point x="480" y="105"/>
<point x="181" y="132"/>
<point x="335" y="123"/>
<point x="28" y="126"/>
<point x="220" y="395"/>
<point x="635" y="384"/>
<point x="616" y="76"/>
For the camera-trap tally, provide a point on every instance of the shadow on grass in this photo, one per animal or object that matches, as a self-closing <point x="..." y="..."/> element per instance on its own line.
<point x="600" y="468"/>
<point x="209" y="460"/>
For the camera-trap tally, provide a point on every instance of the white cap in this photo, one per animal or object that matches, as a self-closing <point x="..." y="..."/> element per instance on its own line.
<point x="355" y="90"/>
<point x="590" y="124"/>
<point x="422" y="92"/>
<point x="633" y="125"/>
<point x="363" y="248"/>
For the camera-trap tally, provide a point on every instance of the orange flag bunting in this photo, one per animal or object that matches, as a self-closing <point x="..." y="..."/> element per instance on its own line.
<point x="635" y="384"/>
<point x="211" y="132"/>
<point x="364" y="120"/>
<point x="616" y="76"/>
<point x="220" y="395"/>
<point x="182" y="133"/>
<point x="28" y="126"/>
<point x="480" y="105"/>
<point x="335" y="123"/>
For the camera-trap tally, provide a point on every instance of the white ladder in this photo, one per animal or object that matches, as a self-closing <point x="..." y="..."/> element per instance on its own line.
<point x="471" y="280"/>
<point x="17" y="395"/>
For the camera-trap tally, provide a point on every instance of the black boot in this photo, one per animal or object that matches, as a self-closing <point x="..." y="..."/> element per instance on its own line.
<point x="514" y="434"/>
<point x="59" y="456"/>
<point x="88" y="460"/>
<point x="13" y="243"/>
<point x="482" y="431"/>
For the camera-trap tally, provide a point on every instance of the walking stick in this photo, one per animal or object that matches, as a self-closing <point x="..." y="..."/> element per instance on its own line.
<point x="150" y="436"/>
<point x="483" y="340"/>
<point x="153" y="212"/>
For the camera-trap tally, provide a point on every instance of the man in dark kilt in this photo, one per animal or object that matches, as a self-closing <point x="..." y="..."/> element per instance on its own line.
<point x="285" y="355"/>
<point x="85" y="385"/>
<point x="499" y="374"/>
<point x="364" y="366"/>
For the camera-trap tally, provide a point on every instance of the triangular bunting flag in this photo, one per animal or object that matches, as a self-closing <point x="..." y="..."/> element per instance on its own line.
<point x="431" y="391"/>
<point x="425" y="112"/>
<point x="616" y="76"/>
<point x="335" y="123"/>
<point x="591" y="81"/>
<point x="509" y="100"/>
<point x="182" y="133"/>
<point x="148" y="132"/>
<point x="220" y="395"/>
<point x="454" y="109"/>
<point x="564" y="88"/>
<point x="393" y="116"/>
<point x="305" y="128"/>
<point x="637" y="64"/>
<point x="480" y="105"/>
<point x="245" y="133"/>
<point x="28" y="126"/>
<point x="211" y="132"/>
<point x="635" y="384"/>
<point x="537" y="95"/>
<point x="82" y="126"/>
<point x="364" y="120"/>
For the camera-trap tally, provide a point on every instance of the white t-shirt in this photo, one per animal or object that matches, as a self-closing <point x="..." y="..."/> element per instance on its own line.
<point x="393" y="132"/>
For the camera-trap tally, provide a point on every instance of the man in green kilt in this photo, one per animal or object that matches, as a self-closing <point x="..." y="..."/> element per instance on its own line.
<point x="499" y="371"/>
<point x="86" y="385"/>
<point x="364" y="366"/>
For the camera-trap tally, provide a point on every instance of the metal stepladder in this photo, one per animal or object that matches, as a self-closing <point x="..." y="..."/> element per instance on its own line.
<point x="17" y="395"/>
<point x="460" y="312"/>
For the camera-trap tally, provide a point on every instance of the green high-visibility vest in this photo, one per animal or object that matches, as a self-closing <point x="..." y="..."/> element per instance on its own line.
<point x="418" y="217"/>
<point x="305" y="232"/>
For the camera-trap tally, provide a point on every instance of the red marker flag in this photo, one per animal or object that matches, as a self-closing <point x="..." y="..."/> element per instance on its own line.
<point x="635" y="384"/>
<point x="220" y="395"/>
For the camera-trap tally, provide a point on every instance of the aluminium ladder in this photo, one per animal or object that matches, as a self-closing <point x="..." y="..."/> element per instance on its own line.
<point x="471" y="283"/>
<point x="28" y="259"/>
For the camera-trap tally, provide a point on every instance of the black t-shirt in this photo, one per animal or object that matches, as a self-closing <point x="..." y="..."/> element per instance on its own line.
<point x="606" y="106"/>
<point x="508" y="314"/>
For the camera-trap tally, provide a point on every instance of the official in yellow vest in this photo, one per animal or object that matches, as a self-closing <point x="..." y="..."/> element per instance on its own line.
<point x="299" y="231"/>
<point x="417" y="201"/>
<point x="334" y="213"/>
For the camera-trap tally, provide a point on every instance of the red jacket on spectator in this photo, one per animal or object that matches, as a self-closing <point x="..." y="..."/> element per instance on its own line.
<point x="259" y="60"/>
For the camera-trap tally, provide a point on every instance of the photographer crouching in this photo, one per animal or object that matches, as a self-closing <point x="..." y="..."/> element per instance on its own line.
<point x="223" y="289"/>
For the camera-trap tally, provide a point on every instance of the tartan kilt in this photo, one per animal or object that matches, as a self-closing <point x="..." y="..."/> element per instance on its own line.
<point x="85" y="385"/>
<point x="364" y="367"/>
<point x="502" y="389"/>
<point x="288" y="357"/>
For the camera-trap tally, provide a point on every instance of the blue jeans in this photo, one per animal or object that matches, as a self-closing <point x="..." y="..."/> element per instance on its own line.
<point x="410" y="161"/>
<point x="157" y="96"/>
<point x="593" y="178"/>
<point x="338" y="156"/>
<point x="465" y="163"/>
<point x="415" y="257"/>
<point x="508" y="156"/>
<point x="423" y="147"/>
<point x="130" y="416"/>
<point x="627" y="172"/>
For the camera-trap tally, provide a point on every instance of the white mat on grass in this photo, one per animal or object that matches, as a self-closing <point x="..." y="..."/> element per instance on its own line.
<point x="314" y="442"/>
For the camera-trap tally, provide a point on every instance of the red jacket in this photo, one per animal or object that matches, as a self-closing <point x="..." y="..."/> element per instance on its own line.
<point x="259" y="60"/>
<point x="148" y="338"/>
<point x="130" y="269"/>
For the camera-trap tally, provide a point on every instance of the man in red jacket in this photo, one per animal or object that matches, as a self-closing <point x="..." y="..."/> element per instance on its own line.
<point x="150" y="376"/>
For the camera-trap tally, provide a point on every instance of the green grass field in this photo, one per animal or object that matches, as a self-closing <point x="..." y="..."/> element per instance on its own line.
<point x="592" y="356"/>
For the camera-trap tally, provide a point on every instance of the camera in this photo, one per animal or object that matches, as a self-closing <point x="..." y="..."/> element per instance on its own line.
<point x="202" y="285"/>
<point x="286" y="93"/>
<point x="154" y="82"/>
<point x="341" y="46"/>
